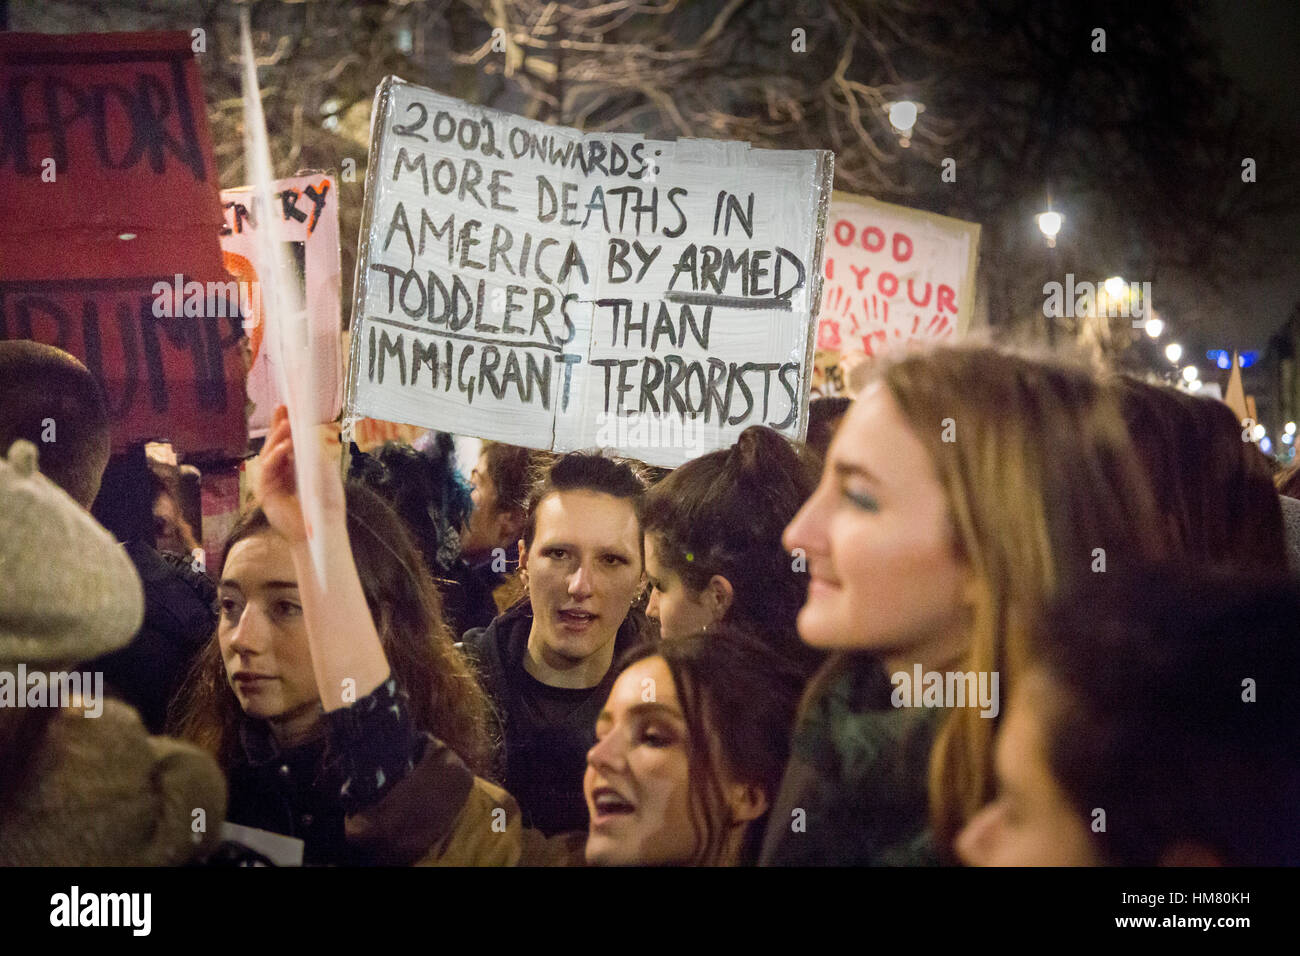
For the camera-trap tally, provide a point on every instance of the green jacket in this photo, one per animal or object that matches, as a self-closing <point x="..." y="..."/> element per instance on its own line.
<point x="855" y="789"/>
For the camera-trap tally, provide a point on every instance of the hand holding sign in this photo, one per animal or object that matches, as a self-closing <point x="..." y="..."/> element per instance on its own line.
<point x="277" y="486"/>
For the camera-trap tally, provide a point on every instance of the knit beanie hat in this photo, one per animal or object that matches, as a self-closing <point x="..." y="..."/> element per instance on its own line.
<point x="68" y="591"/>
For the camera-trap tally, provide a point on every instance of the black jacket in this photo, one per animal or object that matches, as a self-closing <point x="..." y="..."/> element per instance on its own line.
<point x="467" y="601"/>
<point x="368" y="788"/>
<point x="179" y="619"/>
<point x="544" y="764"/>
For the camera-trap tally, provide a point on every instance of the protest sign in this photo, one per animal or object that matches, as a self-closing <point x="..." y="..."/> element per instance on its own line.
<point x="307" y="206"/>
<point x="108" y="193"/>
<point x="535" y="285"/>
<point x="894" y="276"/>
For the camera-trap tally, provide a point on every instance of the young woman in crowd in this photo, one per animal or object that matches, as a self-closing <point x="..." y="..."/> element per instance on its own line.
<point x="964" y="487"/>
<point x="1157" y="726"/>
<point x="344" y="718"/>
<point x="713" y="542"/>
<point x="548" y="661"/>
<point x="689" y="751"/>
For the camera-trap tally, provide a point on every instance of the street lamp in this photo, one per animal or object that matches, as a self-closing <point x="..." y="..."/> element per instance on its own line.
<point x="1191" y="373"/>
<point x="1154" y="327"/>
<point x="1049" y="223"/>
<point x="1173" y="352"/>
<point x="902" y="116"/>
<point x="1115" y="287"/>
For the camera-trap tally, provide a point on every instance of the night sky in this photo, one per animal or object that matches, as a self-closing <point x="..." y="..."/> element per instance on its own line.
<point x="1261" y="51"/>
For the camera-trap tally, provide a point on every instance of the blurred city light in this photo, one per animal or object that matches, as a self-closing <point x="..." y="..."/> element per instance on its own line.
<point x="1154" y="327"/>
<point x="1173" y="352"/>
<point x="1050" y="224"/>
<point x="1191" y="373"/>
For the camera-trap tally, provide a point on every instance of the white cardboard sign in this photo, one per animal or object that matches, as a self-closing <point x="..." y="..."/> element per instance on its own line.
<point x="534" y="285"/>
<point x="894" y="276"/>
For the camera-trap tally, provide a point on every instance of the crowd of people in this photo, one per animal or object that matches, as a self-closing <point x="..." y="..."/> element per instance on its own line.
<point x="999" y="609"/>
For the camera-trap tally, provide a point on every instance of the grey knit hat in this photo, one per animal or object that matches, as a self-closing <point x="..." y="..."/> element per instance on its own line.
<point x="68" y="591"/>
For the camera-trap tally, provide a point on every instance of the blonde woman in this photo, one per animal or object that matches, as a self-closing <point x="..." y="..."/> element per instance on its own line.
<point x="963" y="488"/>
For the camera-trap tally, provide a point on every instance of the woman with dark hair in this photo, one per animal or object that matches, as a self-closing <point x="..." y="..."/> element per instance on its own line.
<point x="343" y="718"/>
<point x="1139" y="737"/>
<point x="1213" y="488"/>
<point x="713" y="542"/>
<point x="685" y="766"/>
<point x="547" y="661"/>
<point x="824" y="417"/>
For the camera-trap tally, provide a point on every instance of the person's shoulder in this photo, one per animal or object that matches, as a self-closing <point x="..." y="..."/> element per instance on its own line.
<point x="492" y="641"/>
<point x="133" y="798"/>
<point x="487" y="831"/>
<point x="490" y="832"/>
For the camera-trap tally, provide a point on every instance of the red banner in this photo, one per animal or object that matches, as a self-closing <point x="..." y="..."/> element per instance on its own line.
<point x="108" y="189"/>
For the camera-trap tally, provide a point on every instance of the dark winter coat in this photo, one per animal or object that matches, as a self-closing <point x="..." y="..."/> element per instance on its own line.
<point x="369" y="788"/>
<point x="179" y="619"/>
<point x="544" y="764"/>
<point x="467" y="591"/>
<point x="855" y="789"/>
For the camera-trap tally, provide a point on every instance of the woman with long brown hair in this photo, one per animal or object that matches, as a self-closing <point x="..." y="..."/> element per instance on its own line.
<point x="963" y="488"/>
<point x="347" y="720"/>
<point x="685" y="766"/>
<point x="713" y="550"/>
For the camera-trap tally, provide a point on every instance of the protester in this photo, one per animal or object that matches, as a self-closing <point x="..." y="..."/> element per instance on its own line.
<point x="713" y="542"/>
<point x="173" y="537"/>
<point x="343" y="717"/>
<point x="489" y="543"/>
<point x="51" y="399"/>
<point x="81" y="783"/>
<point x="685" y="767"/>
<point x="1158" y="726"/>
<point x="963" y="488"/>
<point x="428" y="494"/>
<point x="1213" y="489"/>
<point x="547" y="661"/>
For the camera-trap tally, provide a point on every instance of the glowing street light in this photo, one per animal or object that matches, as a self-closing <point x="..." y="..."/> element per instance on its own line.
<point x="902" y="116"/>
<point x="1115" y="287"/>
<point x="1173" y="352"/>
<point x="1049" y="223"/>
<point x="1154" y="327"/>
<point x="1191" y="373"/>
<point x="1290" y="428"/>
